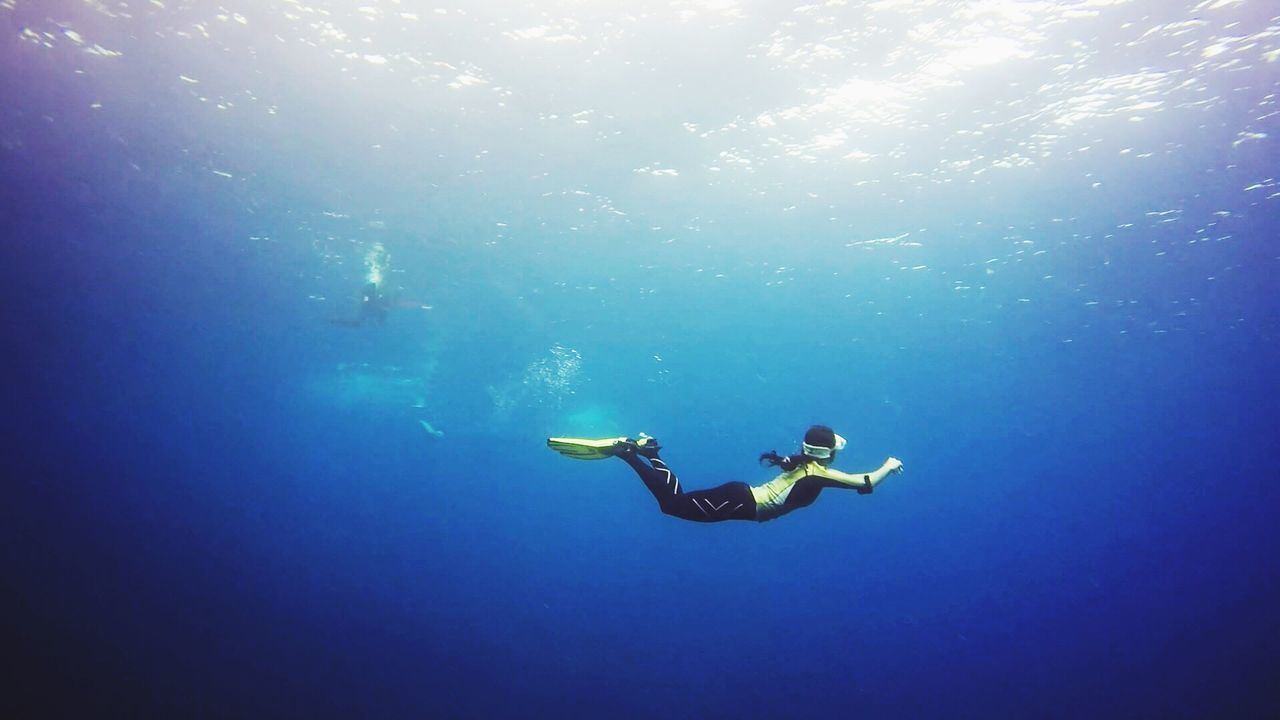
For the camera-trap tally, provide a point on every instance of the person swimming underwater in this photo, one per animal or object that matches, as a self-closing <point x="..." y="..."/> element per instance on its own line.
<point x="804" y="476"/>
<point x="373" y="308"/>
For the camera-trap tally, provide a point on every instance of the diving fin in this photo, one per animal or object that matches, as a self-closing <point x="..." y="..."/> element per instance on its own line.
<point x="585" y="448"/>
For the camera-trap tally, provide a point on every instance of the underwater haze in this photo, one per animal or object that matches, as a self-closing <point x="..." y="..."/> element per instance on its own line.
<point x="1029" y="247"/>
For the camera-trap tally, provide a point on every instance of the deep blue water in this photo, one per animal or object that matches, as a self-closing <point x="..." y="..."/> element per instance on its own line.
<point x="221" y="504"/>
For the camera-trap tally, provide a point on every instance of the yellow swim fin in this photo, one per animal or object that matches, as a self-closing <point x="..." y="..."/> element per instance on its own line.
<point x="585" y="448"/>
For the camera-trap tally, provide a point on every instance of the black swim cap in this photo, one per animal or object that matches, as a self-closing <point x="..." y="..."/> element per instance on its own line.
<point x="820" y="436"/>
<point x="822" y="442"/>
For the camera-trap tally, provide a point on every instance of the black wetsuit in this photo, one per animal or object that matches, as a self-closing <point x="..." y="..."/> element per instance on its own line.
<point x="736" y="500"/>
<point x="731" y="501"/>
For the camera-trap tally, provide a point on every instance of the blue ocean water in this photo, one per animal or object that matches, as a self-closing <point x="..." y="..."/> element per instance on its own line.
<point x="1029" y="248"/>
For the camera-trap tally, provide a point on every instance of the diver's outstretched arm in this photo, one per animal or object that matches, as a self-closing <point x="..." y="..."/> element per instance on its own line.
<point x="864" y="482"/>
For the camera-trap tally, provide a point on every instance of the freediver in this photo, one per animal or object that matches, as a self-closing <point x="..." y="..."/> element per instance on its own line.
<point x="805" y="474"/>
<point x="373" y="308"/>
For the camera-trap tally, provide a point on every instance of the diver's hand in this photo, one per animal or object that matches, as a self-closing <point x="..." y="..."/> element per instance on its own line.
<point x="893" y="465"/>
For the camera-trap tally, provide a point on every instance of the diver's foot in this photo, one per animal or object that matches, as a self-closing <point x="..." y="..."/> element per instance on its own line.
<point x="647" y="446"/>
<point x="643" y="445"/>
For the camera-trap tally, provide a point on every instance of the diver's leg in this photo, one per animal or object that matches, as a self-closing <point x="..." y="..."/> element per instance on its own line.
<point x="732" y="501"/>
<point x="656" y="476"/>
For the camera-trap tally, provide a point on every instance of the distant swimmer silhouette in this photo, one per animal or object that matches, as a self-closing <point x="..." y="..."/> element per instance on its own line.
<point x="373" y="307"/>
<point x="804" y="476"/>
